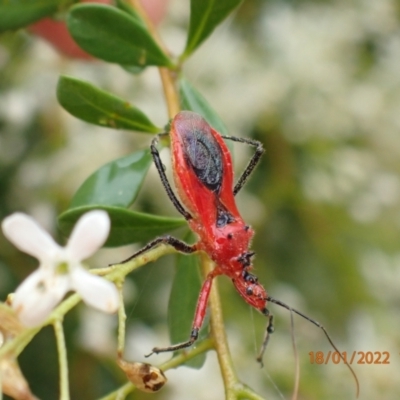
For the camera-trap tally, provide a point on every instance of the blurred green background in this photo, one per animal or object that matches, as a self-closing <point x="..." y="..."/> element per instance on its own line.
<point x="318" y="82"/>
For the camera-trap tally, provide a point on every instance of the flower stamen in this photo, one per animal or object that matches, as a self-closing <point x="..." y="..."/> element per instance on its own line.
<point x="62" y="268"/>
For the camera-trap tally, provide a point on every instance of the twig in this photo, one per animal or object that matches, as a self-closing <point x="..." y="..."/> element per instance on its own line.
<point x="62" y="359"/>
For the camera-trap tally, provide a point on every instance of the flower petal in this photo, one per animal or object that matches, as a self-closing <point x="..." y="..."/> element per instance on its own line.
<point x="89" y="234"/>
<point x="37" y="295"/>
<point x="24" y="232"/>
<point x="94" y="290"/>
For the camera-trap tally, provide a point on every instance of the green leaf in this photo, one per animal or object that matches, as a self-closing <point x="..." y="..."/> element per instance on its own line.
<point x="182" y="303"/>
<point x="114" y="36"/>
<point x="16" y="14"/>
<point x="98" y="107"/>
<point x="133" y="69"/>
<point x="116" y="183"/>
<point x="126" y="226"/>
<point x="205" y="16"/>
<point x="125" y="6"/>
<point x="192" y="100"/>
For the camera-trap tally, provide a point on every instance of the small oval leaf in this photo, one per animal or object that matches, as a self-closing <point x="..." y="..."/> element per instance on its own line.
<point x="91" y="104"/>
<point x="116" y="183"/>
<point x="205" y="16"/>
<point x="19" y="13"/>
<point x="114" y="36"/>
<point x="126" y="226"/>
<point x="125" y="6"/>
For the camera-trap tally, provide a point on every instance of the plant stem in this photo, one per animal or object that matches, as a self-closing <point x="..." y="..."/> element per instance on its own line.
<point x="16" y="345"/>
<point x="218" y="333"/>
<point x="121" y="320"/>
<point x="62" y="359"/>
<point x="168" y="77"/>
<point x="245" y="393"/>
<point x="202" y="347"/>
<point x="119" y="271"/>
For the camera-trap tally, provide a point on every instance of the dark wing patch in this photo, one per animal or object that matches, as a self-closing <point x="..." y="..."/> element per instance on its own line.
<point x="204" y="155"/>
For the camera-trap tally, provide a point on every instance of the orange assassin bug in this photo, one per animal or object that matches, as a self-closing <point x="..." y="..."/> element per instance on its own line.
<point x="203" y="176"/>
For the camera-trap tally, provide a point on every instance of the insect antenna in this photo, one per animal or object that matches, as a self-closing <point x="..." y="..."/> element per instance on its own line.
<point x="292" y="310"/>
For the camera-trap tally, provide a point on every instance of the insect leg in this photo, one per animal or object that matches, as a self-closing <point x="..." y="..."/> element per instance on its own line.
<point x="268" y="331"/>
<point x="197" y="321"/>
<point x="252" y="163"/>
<point x="167" y="239"/>
<point x="164" y="179"/>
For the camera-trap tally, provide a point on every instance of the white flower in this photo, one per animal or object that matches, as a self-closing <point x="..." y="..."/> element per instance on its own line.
<point x="60" y="268"/>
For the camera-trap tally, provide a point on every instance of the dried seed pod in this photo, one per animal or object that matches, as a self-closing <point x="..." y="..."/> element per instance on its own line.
<point x="145" y="377"/>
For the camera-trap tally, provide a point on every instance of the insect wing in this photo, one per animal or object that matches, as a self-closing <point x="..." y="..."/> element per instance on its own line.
<point x="226" y="196"/>
<point x="202" y="168"/>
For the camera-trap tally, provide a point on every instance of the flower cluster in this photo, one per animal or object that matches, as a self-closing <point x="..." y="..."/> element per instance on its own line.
<point x="60" y="268"/>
